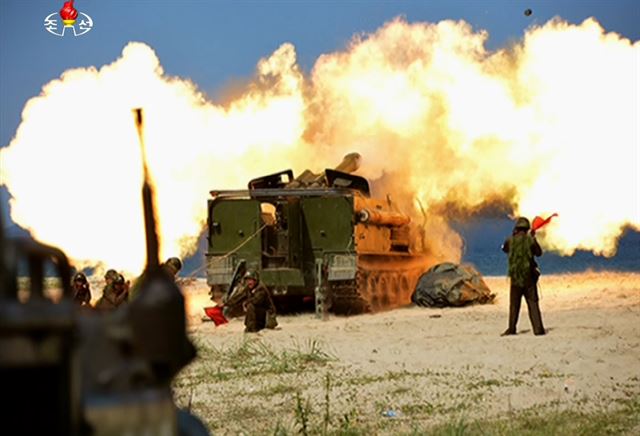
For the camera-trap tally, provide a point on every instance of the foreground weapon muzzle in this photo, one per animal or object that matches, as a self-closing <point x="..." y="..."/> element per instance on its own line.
<point x="147" y="199"/>
<point x="157" y="313"/>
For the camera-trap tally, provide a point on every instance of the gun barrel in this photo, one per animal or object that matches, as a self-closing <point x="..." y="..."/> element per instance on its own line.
<point x="147" y="200"/>
<point x="350" y="163"/>
<point x="369" y="212"/>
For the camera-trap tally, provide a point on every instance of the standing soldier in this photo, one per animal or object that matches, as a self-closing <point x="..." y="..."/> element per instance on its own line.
<point x="523" y="271"/>
<point x="81" y="291"/>
<point x="258" y="304"/>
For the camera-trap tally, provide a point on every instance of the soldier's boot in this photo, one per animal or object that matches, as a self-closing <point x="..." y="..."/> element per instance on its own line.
<point x="535" y="316"/>
<point x="250" y="321"/>
<point x="515" y="299"/>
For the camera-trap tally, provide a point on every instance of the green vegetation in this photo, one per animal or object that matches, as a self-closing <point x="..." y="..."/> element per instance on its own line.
<point x="249" y="358"/>
<point x="623" y="420"/>
<point x="252" y="387"/>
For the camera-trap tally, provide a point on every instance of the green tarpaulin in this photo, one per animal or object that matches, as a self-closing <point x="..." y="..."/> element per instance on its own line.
<point x="448" y="284"/>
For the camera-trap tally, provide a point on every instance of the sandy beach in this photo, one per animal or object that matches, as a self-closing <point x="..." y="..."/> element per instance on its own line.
<point x="414" y="367"/>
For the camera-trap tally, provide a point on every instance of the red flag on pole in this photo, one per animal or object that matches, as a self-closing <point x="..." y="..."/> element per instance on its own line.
<point x="539" y="222"/>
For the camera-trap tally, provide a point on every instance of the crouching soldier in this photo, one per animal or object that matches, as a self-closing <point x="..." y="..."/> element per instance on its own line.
<point x="114" y="293"/>
<point x="258" y="304"/>
<point x="523" y="271"/>
<point x="171" y="266"/>
<point x="81" y="291"/>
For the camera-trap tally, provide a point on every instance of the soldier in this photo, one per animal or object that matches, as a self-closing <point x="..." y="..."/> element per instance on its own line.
<point x="110" y="276"/>
<point x="523" y="271"/>
<point x="122" y="288"/>
<point x="258" y="304"/>
<point x="171" y="266"/>
<point x="81" y="291"/>
<point x="113" y="294"/>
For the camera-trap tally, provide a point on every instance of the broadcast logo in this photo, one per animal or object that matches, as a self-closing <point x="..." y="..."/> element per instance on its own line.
<point x="68" y="20"/>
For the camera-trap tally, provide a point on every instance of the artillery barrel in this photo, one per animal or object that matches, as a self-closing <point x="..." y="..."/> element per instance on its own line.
<point x="350" y="163"/>
<point x="371" y="212"/>
<point x="383" y="217"/>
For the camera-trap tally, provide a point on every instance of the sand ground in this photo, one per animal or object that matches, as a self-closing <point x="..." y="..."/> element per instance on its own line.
<point x="413" y="367"/>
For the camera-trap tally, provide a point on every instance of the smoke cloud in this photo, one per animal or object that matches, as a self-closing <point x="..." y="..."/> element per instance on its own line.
<point x="546" y="125"/>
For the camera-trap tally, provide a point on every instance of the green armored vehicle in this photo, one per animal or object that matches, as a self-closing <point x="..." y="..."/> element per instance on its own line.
<point x="318" y="237"/>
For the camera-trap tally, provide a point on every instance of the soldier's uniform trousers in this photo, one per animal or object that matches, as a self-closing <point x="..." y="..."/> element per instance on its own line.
<point x="530" y="294"/>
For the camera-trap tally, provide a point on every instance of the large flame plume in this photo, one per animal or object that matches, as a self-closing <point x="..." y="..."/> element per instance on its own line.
<point x="546" y="125"/>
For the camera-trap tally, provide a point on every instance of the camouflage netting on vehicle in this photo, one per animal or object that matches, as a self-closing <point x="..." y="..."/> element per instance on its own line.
<point x="448" y="284"/>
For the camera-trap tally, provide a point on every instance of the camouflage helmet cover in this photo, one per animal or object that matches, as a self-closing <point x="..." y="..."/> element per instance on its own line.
<point x="523" y="223"/>
<point x="112" y="274"/>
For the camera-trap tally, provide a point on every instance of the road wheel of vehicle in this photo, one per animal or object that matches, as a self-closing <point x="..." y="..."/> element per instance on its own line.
<point x="383" y="285"/>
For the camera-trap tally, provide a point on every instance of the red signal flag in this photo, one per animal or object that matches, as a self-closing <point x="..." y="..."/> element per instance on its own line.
<point x="215" y="313"/>
<point x="539" y="222"/>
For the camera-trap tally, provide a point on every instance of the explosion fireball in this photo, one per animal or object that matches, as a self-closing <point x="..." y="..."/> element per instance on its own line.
<point x="546" y="125"/>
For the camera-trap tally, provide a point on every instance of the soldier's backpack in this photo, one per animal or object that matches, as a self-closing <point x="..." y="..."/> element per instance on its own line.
<point x="521" y="262"/>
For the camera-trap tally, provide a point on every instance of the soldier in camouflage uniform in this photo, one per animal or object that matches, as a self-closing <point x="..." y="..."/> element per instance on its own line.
<point x="257" y="304"/>
<point x="113" y="294"/>
<point x="81" y="291"/>
<point x="522" y="247"/>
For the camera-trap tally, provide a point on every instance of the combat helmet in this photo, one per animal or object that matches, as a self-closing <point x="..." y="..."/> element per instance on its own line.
<point x="174" y="264"/>
<point x="119" y="280"/>
<point x="251" y="274"/>
<point x="79" y="277"/>
<point x="523" y="223"/>
<point x="112" y="274"/>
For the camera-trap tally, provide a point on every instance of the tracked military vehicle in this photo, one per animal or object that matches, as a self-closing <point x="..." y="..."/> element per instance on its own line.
<point x="317" y="237"/>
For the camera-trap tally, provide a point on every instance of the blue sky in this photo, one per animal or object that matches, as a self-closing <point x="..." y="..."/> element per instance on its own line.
<point x="216" y="43"/>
